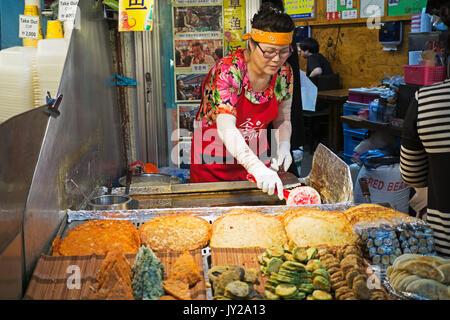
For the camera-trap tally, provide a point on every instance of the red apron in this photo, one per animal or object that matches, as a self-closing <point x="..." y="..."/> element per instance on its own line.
<point x="252" y="121"/>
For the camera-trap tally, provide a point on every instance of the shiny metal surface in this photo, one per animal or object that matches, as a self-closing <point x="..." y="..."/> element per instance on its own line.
<point x="151" y="179"/>
<point x="20" y="144"/>
<point x="151" y="137"/>
<point x="84" y="142"/>
<point x="110" y="202"/>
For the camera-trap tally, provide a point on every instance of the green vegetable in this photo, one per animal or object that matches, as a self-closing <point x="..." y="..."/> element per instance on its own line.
<point x="274" y="265"/>
<point x="293" y="265"/>
<point x="311" y="252"/>
<point x="314" y="265"/>
<point x="321" y="295"/>
<point x="286" y="290"/>
<point x="321" y="272"/>
<point x="275" y="251"/>
<point x="271" y="296"/>
<point x="148" y="273"/>
<point x="300" y="254"/>
<point x="320" y="283"/>
<point x="304" y="287"/>
<point x="300" y="295"/>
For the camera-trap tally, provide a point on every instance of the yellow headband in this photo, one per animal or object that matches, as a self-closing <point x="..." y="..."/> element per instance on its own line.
<point x="279" y="38"/>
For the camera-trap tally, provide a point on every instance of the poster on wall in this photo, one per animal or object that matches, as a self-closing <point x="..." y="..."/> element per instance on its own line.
<point x="341" y="9"/>
<point x="234" y="24"/>
<point x="199" y="22"/>
<point x="186" y="115"/>
<point x="136" y="15"/>
<point x="300" y="9"/>
<point x="198" y="34"/>
<point x="197" y="55"/>
<point x="405" y="7"/>
<point x="189" y="86"/>
<point x="371" y="8"/>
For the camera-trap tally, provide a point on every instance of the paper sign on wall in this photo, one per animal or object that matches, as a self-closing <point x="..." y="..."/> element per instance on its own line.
<point x="136" y="15"/>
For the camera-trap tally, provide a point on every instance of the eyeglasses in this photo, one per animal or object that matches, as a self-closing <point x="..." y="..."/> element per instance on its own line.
<point x="270" y="54"/>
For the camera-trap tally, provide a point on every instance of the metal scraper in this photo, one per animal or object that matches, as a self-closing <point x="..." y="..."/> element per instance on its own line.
<point x="289" y="180"/>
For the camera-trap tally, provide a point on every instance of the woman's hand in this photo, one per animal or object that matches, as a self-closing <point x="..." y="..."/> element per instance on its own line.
<point x="267" y="179"/>
<point x="284" y="158"/>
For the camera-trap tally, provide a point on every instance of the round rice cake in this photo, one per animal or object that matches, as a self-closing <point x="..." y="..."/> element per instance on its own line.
<point x="177" y="232"/>
<point x="247" y="229"/>
<point x="97" y="237"/>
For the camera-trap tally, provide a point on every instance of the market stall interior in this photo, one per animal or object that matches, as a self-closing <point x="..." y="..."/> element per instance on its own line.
<point x="86" y="180"/>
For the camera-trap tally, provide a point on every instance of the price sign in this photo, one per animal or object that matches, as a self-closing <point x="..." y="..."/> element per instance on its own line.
<point x="67" y="9"/>
<point x="28" y="27"/>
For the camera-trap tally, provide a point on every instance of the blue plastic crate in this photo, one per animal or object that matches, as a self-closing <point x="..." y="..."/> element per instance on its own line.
<point x="348" y="159"/>
<point x="351" y="139"/>
<point x="350" y="110"/>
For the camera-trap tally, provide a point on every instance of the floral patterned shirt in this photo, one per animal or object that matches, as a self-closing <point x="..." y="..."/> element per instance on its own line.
<point x="229" y="76"/>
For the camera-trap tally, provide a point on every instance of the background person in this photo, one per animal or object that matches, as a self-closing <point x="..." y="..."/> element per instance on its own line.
<point x="425" y="151"/>
<point x="316" y="64"/>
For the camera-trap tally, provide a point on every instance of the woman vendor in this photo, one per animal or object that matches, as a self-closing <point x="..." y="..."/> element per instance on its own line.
<point x="241" y="95"/>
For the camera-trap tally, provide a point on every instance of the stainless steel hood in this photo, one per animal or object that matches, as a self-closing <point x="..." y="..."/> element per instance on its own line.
<point x="39" y="153"/>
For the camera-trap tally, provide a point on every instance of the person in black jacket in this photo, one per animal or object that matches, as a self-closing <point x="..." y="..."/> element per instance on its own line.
<point x="317" y="64"/>
<point x="298" y="131"/>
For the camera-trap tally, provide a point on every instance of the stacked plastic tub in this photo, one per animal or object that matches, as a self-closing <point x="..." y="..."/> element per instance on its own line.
<point x="16" y="94"/>
<point x="49" y="64"/>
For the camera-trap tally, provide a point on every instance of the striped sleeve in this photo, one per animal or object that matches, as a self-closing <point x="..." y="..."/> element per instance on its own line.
<point x="413" y="158"/>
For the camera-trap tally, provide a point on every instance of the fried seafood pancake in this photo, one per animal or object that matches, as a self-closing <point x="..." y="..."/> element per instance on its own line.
<point x="97" y="237"/>
<point x="175" y="232"/>
<point x="372" y="212"/>
<point x="308" y="227"/>
<point x="247" y="229"/>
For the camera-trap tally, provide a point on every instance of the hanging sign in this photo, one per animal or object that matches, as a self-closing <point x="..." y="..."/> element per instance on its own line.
<point x="67" y="10"/>
<point x="136" y="15"/>
<point x="234" y="25"/>
<point x="404" y="7"/>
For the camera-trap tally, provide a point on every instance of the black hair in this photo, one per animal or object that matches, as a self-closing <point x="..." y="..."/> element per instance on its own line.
<point x="310" y="44"/>
<point x="219" y="52"/>
<point x="198" y="44"/>
<point x="272" y="19"/>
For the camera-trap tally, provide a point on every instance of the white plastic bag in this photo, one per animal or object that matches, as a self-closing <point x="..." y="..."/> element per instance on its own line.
<point x="385" y="185"/>
<point x="309" y="93"/>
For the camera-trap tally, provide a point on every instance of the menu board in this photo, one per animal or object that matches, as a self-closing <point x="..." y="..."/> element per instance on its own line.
<point x="405" y="7"/>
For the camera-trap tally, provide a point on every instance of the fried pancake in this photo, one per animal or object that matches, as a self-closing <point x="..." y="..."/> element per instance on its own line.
<point x="185" y="269"/>
<point x="315" y="227"/>
<point x="97" y="237"/>
<point x="177" y="288"/>
<point x="177" y="232"/>
<point x="247" y="229"/>
<point x="369" y="212"/>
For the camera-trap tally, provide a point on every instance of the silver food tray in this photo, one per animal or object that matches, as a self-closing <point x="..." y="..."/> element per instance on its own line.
<point x="140" y="216"/>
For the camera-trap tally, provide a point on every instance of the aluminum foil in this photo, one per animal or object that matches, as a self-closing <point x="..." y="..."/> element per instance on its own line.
<point x="208" y="213"/>
<point x="330" y="176"/>
<point x="402" y="295"/>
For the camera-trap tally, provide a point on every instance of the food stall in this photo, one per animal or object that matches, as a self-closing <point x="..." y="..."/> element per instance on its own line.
<point x="220" y="241"/>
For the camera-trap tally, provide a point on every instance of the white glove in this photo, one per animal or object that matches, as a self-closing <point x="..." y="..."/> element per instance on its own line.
<point x="267" y="179"/>
<point x="284" y="157"/>
<point x="233" y="140"/>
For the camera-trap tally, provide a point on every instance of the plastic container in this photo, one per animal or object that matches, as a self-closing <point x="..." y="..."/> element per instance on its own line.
<point x="349" y="110"/>
<point x="50" y="59"/>
<point x="376" y="111"/>
<point x="16" y="94"/>
<point x="421" y="75"/>
<point x="351" y="139"/>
